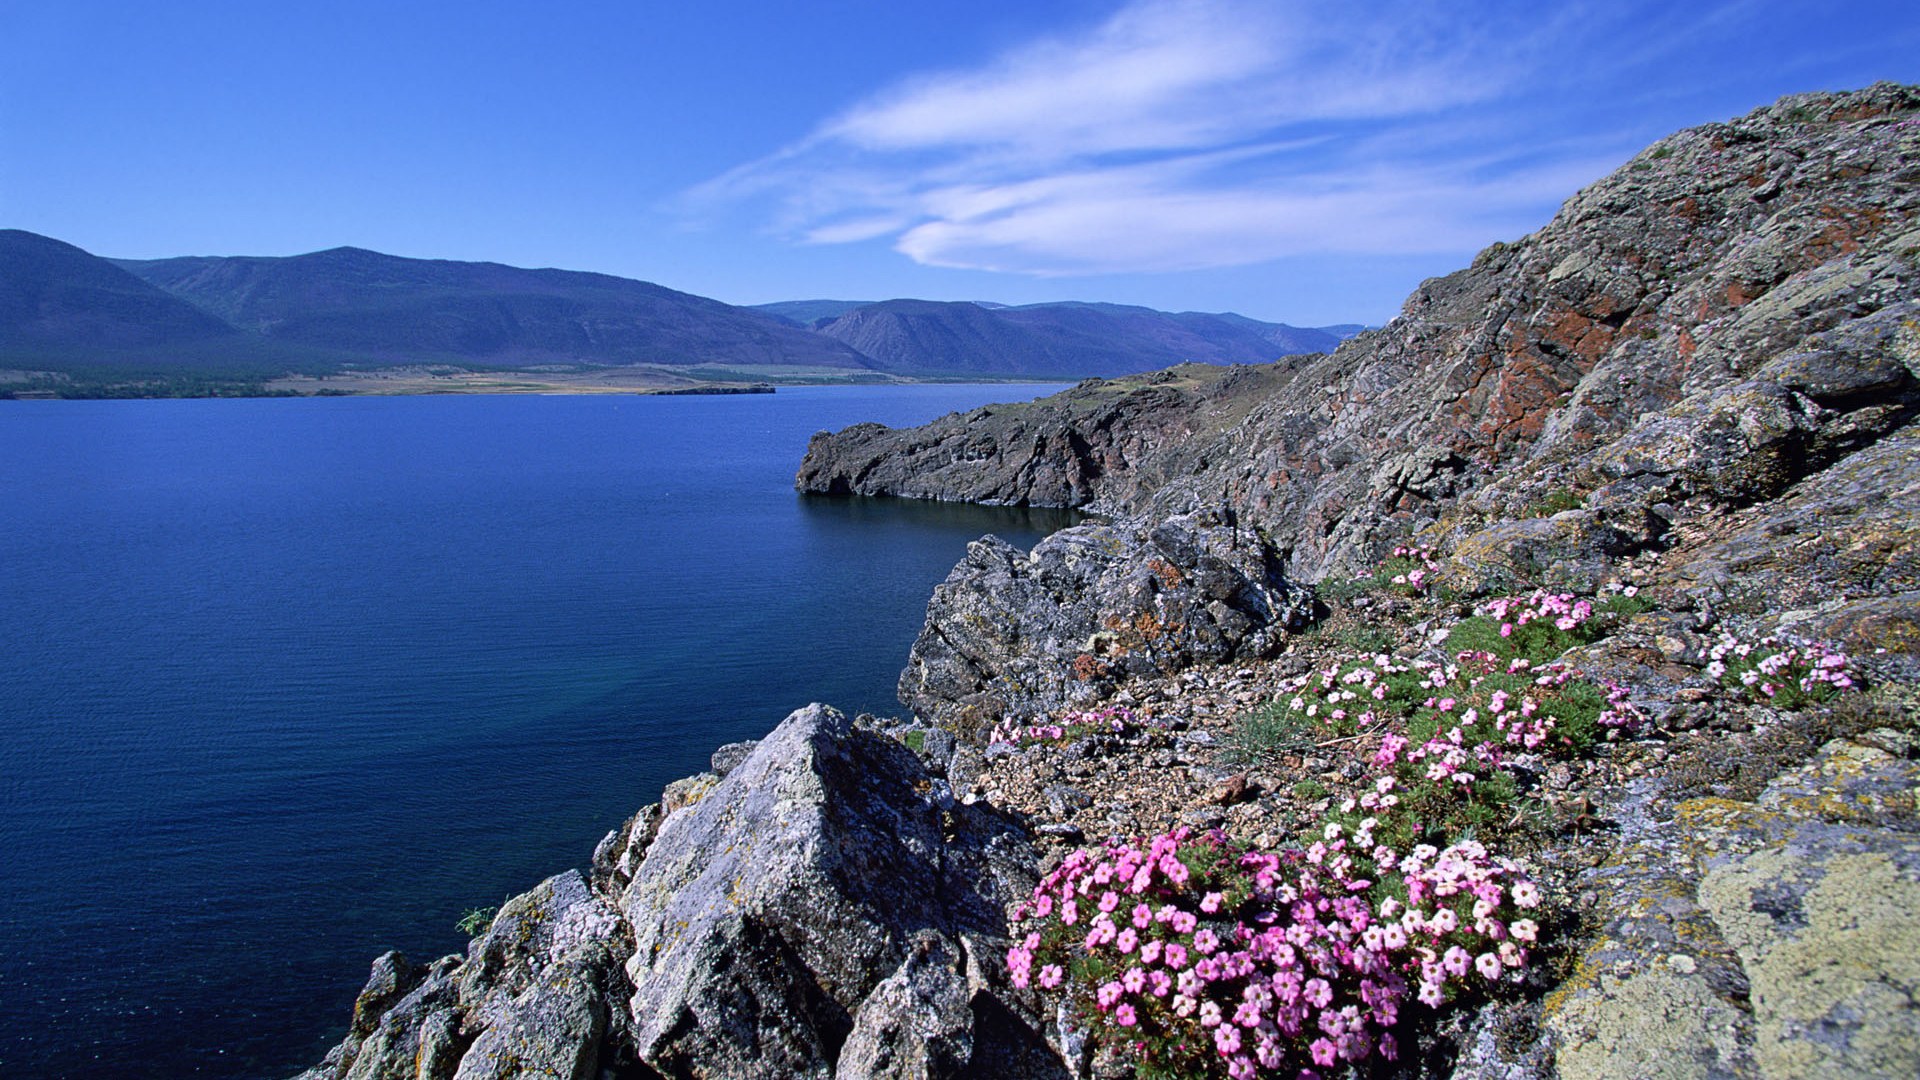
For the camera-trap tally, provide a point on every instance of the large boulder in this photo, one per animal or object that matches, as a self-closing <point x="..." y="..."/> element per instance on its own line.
<point x="1022" y="633"/>
<point x="768" y="912"/>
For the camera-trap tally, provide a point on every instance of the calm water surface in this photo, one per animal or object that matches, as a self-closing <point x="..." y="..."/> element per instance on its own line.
<point x="285" y="683"/>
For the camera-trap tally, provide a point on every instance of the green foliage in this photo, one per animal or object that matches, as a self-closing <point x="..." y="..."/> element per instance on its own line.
<point x="916" y="740"/>
<point x="1346" y="588"/>
<point x="476" y="921"/>
<point x="1271" y="731"/>
<point x="1553" y="502"/>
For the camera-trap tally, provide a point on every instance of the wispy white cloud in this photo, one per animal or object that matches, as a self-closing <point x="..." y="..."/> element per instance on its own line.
<point x="1178" y="134"/>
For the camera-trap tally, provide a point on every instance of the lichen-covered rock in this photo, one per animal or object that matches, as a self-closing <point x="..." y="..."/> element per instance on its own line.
<point x="1020" y="633"/>
<point x="1774" y="939"/>
<point x="559" y="925"/>
<point x="917" y="1024"/>
<point x="553" y="1029"/>
<point x="727" y="758"/>
<point x="1825" y="914"/>
<point x="618" y="854"/>
<point x="767" y="912"/>
<point x="393" y="1021"/>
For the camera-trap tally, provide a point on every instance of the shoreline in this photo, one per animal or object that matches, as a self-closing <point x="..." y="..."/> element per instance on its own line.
<point x="424" y="382"/>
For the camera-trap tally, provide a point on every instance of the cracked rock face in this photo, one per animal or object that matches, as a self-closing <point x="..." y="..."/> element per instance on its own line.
<point x="766" y="914"/>
<point x="1014" y="633"/>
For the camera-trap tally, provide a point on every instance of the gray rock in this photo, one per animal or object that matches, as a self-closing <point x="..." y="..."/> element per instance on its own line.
<point x="1012" y="633"/>
<point x="917" y="1024"/>
<point x="1063" y="799"/>
<point x="1770" y="939"/>
<point x="686" y="791"/>
<point x="552" y="1029"/>
<point x="620" y="851"/>
<point x="388" y="1021"/>
<point x="728" y="757"/>
<point x="765" y="914"/>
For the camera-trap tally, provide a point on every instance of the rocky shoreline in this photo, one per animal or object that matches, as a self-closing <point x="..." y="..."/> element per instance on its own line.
<point x="1679" y="420"/>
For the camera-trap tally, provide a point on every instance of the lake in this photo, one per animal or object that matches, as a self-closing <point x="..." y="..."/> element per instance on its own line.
<point x="287" y="683"/>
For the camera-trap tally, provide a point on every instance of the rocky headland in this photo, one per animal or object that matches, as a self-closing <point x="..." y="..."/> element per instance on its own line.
<point x="1571" y="620"/>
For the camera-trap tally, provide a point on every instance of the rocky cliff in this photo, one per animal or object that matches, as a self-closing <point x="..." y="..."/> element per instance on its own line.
<point x="1651" y="472"/>
<point x="1673" y="305"/>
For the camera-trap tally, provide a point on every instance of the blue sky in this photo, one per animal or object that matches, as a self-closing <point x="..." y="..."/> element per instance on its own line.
<point x="1301" y="162"/>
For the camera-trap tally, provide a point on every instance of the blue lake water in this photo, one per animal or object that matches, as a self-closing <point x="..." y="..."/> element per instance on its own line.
<point x="286" y="683"/>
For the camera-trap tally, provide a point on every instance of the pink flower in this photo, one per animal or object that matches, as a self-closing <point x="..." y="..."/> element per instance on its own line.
<point x="1109" y="994"/>
<point x="1051" y="976"/>
<point x="1127" y="940"/>
<point x="1323" y="1052"/>
<point x="1124" y="1016"/>
<point x="1489" y="965"/>
<point x="1318" y="993"/>
<point x="1226" y="1038"/>
<point x="1210" y="903"/>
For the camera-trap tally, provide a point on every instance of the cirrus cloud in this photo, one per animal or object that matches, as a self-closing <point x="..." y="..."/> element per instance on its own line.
<point x="1184" y="134"/>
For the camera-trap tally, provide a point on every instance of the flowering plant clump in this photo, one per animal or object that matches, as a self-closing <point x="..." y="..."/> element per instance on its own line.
<point x="1543" y="624"/>
<point x="1437" y="736"/>
<point x="1111" y="719"/>
<point x="1203" y="958"/>
<point x="1411" y="568"/>
<point x="1780" y="671"/>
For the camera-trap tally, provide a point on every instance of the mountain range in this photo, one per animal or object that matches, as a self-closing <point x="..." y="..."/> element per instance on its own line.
<point x="67" y="311"/>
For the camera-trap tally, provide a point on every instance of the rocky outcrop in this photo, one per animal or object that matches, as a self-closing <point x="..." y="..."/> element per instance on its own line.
<point x="767" y="913"/>
<point x="824" y="910"/>
<point x="1773" y="938"/>
<point x="1021" y="634"/>
<point x="1103" y="445"/>
<point x="1697" y="274"/>
<point x="533" y="996"/>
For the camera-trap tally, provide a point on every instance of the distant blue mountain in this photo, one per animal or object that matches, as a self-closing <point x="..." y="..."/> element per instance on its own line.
<point x="57" y="299"/>
<point x="407" y="310"/>
<point x="1057" y="340"/>
<point x="62" y="309"/>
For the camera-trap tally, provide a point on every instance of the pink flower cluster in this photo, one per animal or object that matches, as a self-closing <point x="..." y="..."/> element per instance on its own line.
<point x="1780" y="670"/>
<point x="1074" y="723"/>
<point x="1419" y="564"/>
<point x="1220" y="960"/>
<point x="1566" y="612"/>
